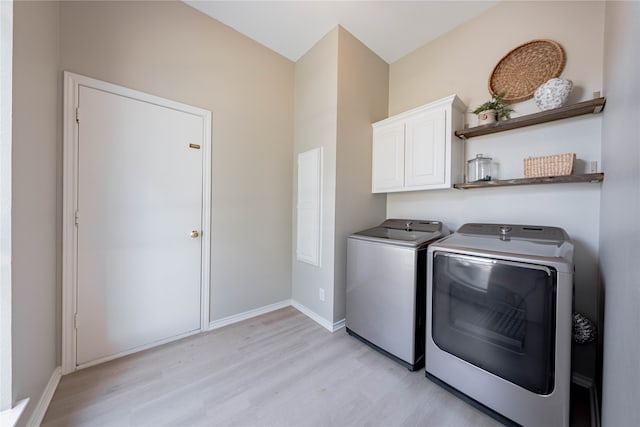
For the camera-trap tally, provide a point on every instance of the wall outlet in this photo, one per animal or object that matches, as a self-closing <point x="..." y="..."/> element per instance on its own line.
<point x="321" y="294"/>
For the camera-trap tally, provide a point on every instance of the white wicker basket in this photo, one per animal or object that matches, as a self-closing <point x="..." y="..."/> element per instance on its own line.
<point x="556" y="165"/>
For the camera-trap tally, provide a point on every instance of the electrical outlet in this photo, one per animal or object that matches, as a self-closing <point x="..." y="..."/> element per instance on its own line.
<point x="321" y="294"/>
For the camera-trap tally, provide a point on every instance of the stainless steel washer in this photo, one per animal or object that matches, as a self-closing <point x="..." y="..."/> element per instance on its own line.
<point x="386" y="287"/>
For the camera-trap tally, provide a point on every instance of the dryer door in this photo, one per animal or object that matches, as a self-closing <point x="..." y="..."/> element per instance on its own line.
<point x="497" y="315"/>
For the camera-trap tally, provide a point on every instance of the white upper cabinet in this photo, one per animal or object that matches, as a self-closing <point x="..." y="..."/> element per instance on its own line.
<point x="388" y="157"/>
<point x="424" y="149"/>
<point x="416" y="150"/>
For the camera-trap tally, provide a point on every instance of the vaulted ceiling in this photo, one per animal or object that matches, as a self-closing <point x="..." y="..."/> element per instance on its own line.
<point x="391" y="29"/>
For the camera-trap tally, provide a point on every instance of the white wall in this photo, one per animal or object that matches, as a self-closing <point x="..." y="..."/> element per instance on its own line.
<point x="35" y="168"/>
<point x="169" y="49"/>
<point x="620" y="216"/>
<point x="461" y="62"/>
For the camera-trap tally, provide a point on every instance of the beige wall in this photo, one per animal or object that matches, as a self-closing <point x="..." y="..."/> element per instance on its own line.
<point x="169" y="49"/>
<point x="363" y="80"/>
<point x="35" y="168"/>
<point x="173" y="51"/>
<point x="620" y="229"/>
<point x="316" y="103"/>
<point x="341" y="88"/>
<point x="461" y="62"/>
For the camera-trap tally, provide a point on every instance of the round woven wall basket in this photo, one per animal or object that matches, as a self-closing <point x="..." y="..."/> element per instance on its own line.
<point x="525" y="68"/>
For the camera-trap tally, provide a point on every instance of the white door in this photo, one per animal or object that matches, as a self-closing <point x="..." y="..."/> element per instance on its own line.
<point x="139" y="198"/>
<point x="425" y="149"/>
<point x="388" y="157"/>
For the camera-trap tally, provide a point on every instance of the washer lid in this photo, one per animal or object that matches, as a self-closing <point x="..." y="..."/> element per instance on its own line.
<point x="404" y="232"/>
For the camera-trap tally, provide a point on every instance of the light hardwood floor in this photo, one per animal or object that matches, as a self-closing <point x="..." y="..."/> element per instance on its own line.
<point x="278" y="369"/>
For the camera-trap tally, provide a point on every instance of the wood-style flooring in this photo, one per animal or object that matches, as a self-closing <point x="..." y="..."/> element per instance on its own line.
<point x="278" y="369"/>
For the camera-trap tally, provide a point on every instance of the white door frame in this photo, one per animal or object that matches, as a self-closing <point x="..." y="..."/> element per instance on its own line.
<point x="72" y="83"/>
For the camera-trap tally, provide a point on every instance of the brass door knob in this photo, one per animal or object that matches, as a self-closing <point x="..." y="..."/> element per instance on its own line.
<point x="194" y="234"/>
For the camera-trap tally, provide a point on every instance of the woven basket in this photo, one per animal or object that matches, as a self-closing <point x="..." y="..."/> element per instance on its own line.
<point x="556" y="165"/>
<point x="525" y="68"/>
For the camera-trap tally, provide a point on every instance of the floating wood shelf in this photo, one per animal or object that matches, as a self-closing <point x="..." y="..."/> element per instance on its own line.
<point x="581" y="108"/>
<point x="590" y="177"/>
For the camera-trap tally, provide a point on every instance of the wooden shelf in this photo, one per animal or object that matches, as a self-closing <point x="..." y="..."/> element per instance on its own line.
<point x="587" y="107"/>
<point x="590" y="177"/>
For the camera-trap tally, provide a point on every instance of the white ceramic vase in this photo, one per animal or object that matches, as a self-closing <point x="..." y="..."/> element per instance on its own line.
<point x="486" y="117"/>
<point x="553" y="93"/>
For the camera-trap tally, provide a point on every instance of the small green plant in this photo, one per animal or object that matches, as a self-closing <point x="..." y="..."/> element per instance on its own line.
<point x="503" y="111"/>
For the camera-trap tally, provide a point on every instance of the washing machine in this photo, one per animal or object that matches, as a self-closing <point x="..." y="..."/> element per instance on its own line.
<point x="499" y="329"/>
<point x="386" y="287"/>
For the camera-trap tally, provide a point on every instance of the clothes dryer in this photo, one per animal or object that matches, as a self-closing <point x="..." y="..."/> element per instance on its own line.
<point x="499" y="299"/>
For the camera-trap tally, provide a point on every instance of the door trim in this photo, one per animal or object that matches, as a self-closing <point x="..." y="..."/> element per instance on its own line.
<point x="72" y="83"/>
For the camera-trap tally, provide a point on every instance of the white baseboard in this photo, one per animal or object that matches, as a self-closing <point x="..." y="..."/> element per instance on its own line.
<point x="339" y="324"/>
<point x="331" y="327"/>
<point x="10" y="417"/>
<point x="248" y="314"/>
<point x="45" y="399"/>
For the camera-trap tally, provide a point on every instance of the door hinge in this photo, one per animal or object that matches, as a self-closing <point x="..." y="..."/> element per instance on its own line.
<point x="78" y="115"/>
<point x="77" y="217"/>
<point x="75" y="321"/>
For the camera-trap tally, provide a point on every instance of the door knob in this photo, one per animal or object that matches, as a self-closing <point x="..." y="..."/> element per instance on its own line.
<point x="194" y="234"/>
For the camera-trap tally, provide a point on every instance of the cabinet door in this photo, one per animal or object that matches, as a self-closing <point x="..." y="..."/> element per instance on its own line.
<point x="388" y="157"/>
<point x="425" y="145"/>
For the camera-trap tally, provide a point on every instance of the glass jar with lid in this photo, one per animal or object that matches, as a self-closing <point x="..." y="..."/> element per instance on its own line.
<point x="479" y="169"/>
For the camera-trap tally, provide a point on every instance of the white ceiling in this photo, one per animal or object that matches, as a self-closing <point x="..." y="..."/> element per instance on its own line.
<point x="391" y="29"/>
